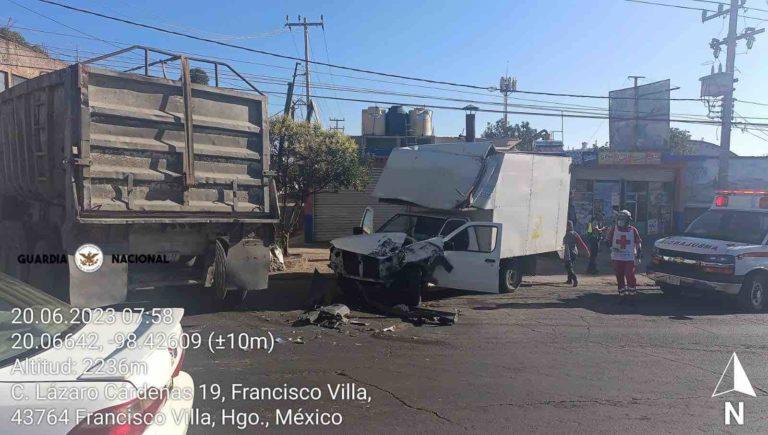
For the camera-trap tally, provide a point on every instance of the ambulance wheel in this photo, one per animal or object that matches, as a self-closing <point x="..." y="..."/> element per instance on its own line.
<point x="670" y="289"/>
<point x="510" y="277"/>
<point x="753" y="293"/>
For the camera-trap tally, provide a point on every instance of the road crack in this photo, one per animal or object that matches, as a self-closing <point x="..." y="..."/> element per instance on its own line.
<point x="396" y="397"/>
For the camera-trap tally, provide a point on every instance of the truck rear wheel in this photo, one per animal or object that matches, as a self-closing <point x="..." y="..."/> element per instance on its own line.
<point x="226" y="299"/>
<point x="510" y="277"/>
<point x="753" y="293"/>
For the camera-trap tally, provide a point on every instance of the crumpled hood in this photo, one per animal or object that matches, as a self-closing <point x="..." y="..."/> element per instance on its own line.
<point x="377" y="244"/>
<point x="697" y="245"/>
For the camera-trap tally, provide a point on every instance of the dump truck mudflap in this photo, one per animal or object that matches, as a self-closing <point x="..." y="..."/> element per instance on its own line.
<point x="248" y="265"/>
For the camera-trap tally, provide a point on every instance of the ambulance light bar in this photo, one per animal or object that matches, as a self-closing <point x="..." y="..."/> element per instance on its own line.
<point x="721" y="200"/>
<point x="742" y="192"/>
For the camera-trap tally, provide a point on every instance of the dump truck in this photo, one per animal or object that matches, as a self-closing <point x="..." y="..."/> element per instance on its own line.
<point x="477" y="219"/>
<point x="113" y="181"/>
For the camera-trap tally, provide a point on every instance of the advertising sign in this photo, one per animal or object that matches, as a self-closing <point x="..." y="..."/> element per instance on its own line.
<point x="639" y="117"/>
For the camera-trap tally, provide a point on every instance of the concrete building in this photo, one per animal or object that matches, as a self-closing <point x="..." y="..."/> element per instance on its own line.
<point x="19" y="62"/>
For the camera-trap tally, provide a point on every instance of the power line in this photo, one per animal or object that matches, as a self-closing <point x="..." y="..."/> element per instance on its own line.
<point x="60" y="23"/>
<point x="750" y="102"/>
<point x="673" y="6"/>
<point x="556" y="115"/>
<point x="253" y="50"/>
<point x="457" y="108"/>
<point x="606" y="97"/>
<point x="577" y="109"/>
<point x="329" y="65"/>
<point x="559" y="106"/>
<point x="726" y="4"/>
<point x="282" y="56"/>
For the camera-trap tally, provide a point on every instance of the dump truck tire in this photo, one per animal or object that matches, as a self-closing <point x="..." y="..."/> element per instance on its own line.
<point x="226" y="299"/>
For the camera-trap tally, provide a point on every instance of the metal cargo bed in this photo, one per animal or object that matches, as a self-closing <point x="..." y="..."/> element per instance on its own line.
<point x="140" y="149"/>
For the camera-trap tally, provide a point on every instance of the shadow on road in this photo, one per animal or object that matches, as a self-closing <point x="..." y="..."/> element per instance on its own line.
<point x="646" y="304"/>
<point x="286" y="292"/>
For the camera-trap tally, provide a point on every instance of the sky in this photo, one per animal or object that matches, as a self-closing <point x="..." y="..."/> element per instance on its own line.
<point x="576" y="47"/>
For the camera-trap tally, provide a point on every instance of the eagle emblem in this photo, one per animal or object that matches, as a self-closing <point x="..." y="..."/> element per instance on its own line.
<point x="88" y="258"/>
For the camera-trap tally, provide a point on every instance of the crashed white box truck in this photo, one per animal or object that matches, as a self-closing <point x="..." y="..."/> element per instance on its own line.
<point x="477" y="218"/>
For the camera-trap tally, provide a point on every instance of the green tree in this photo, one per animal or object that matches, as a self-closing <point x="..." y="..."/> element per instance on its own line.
<point x="522" y="131"/>
<point x="678" y="140"/>
<point x="198" y="75"/>
<point x="306" y="160"/>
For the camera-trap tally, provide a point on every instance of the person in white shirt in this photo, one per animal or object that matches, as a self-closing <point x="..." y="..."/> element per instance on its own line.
<point x="626" y="248"/>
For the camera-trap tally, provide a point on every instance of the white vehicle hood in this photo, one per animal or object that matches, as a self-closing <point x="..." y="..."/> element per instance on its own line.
<point x="160" y="361"/>
<point x="376" y="244"/>
<point x="698" y="245"/>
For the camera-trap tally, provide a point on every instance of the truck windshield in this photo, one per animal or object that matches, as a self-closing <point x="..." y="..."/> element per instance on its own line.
<point x="730" y="225"/>
<point x="15" y="296"/>
<point x="418" y="227"/>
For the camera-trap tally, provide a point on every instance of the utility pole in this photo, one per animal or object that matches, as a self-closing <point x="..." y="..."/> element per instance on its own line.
<point x="336" y="126"/>
<point x="289" y="108"/>
<point x="636" y="110"/>
<point x="507" y="85"/>
<point x="306" y="25"/>
<point x="730" y="59"/>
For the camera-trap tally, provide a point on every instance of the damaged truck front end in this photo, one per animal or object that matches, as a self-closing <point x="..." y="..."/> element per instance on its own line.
<point x="389" y="260"/>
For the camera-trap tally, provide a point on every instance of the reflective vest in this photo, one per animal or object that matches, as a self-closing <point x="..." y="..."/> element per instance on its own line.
<point x="623" y="245"/>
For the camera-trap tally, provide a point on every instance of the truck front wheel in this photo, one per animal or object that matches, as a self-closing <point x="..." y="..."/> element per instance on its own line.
<point x="410" y="284"/>
<point x="510" y="277"/>
<point x="753" y="293"/>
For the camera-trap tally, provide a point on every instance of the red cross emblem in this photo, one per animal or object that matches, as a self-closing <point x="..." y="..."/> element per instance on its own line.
<point x="623" y="241"/>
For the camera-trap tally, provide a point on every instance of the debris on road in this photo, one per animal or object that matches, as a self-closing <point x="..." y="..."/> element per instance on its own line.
<point x="389" y="329"/>
<point x="330" y="316"/>
<point x="415" y="315"/>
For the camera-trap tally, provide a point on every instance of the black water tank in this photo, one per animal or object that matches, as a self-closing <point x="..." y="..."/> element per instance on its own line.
<point x="396" y="122"/>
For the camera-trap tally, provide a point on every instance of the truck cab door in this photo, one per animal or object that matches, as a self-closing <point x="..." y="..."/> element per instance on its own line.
<point x="474" y="251"/>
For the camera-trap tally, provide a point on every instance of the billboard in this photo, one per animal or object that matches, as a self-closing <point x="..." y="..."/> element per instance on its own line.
<point x="639" y="117"/>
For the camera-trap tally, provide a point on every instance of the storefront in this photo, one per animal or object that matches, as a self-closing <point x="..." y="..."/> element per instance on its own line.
<point x="606" y="182"/>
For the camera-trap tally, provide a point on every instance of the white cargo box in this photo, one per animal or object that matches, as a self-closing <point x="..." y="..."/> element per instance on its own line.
<point x="526" y="193"/>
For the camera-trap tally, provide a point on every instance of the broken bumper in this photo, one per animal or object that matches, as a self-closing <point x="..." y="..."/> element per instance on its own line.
<point x="360" y="267"/>
<point x="731" y="288"/>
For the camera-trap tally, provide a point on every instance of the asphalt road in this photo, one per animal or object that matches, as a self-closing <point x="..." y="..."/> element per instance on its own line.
<point x="548" y="358"/>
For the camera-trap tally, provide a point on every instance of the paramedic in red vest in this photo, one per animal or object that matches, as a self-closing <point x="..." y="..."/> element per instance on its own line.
<point x="626" y="246"/>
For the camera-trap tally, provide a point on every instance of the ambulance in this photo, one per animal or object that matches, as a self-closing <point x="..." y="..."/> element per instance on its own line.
<point x="724" y="250"/>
